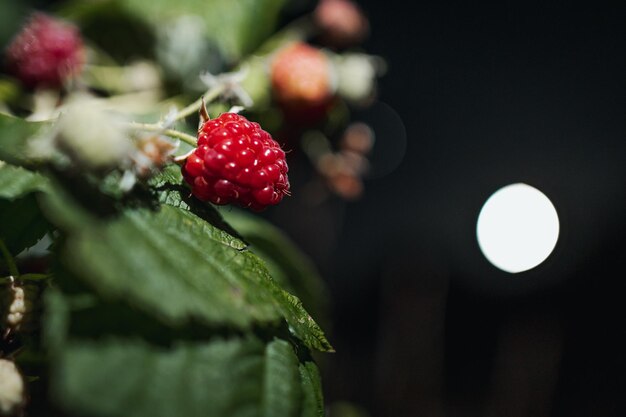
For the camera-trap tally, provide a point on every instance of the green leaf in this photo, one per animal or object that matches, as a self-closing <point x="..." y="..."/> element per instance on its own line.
<point x="21" y="223"/>
<point x="178" y="268"/>
<point x="236" y="27"/>
<point x="313" y="402"/>
<point x="221" y="378"/>
<point x="119" y="377"/>
<point x="14" y="136"/>
<point x="239" y="375"/>
<point x="282" y="391"/>
<point x="291" y="268"/>
<point x="16" y="182"/>
<point x="168" y="184"/>
<point x="9" y="89"/>
<point x="301" y="324"/>
<point x="173" y="265"/>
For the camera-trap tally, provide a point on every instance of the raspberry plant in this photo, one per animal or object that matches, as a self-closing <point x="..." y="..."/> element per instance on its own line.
<point x="124" y="290"/>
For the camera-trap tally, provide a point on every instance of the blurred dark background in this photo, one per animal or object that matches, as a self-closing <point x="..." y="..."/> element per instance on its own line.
<point x="489" y="94"/>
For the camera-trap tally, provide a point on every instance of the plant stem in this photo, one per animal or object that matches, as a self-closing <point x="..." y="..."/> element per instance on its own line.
<point x="26" y="277"/>
<point x="9" y="259"/>
<point x="194" y="107"/>
<point x="153" y="127"/>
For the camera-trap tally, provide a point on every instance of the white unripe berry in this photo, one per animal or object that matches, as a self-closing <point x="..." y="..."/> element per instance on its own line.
<point x="11" y="387"/>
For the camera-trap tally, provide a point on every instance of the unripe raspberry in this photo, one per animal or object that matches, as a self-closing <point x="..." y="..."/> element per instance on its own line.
<point x="356" y="76"/>
<point x="341" y="22"/>
<point x="237" y="162"/>
<point x="91" y="136"/>
<point x="302" y="82"/>
<point x="11" y="387"/>
<point x="46" y="53"/>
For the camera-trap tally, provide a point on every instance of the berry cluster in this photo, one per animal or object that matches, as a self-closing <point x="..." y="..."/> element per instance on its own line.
<point x="237" y="162"/>
<point x="46" y="53"/>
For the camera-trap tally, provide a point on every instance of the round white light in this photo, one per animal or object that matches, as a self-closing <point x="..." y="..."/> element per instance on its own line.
<point x="517" y="228"/>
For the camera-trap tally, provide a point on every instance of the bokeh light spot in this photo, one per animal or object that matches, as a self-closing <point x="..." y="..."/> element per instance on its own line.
<point x="517" y="228"/>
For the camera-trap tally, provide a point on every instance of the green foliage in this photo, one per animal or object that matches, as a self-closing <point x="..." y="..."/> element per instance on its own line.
<point x="16" y="182"/>
<point x="155" y="304"/>
<point x="235" y="27"/>
<point x="312" y="390"/>
<point x="21" y="221"/>
<point x="237" y="375"/>
<point x="158" y="305"/>
<point x="14" y="136"/>
<point x="287" y="265"/>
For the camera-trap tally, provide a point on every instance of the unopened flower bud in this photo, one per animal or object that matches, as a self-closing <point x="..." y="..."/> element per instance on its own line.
<point x="153" y="152"/>
<point x="11" y="387"/>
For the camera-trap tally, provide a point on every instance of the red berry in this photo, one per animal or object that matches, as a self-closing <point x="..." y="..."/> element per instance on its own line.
<point x="46" y="52"/>
<point x="237" y="162"/>
<point x="341" y="22"/>
<point x="301" y="82"/>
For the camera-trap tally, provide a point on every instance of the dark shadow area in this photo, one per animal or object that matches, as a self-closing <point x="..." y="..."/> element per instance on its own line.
<point x="490" y="94"/>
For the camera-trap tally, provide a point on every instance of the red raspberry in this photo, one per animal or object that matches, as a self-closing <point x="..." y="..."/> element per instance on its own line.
<point x="46" y="53"/>
<point x="237" y="162"/>
<point x="301" y="82"/>
<point x="341" y="22"/>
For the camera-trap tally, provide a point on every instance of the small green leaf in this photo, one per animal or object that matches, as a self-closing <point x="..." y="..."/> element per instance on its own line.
<point x="14" y="136"/>
<point x="301" y="324"/>
<point x="9" y="89"/>
<point x="282" y="392"/>
<point x="21" y="223"/>
<point x="313" y="403"/>
<point x="16" y="182"/>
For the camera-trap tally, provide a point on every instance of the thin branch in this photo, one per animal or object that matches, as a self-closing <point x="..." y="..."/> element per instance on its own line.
<point x="194" y="107"/>
<point x="34" y="277"/>
<point x="150" y="127"/>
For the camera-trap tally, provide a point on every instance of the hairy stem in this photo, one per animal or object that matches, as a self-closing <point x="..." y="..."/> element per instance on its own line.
<point x="153" y="127"/>
<point x="194" y="107"/>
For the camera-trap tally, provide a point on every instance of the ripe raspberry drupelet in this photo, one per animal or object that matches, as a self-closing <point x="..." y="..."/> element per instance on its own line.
<point x="46" y="53"/>
<point x="237" y="162"/>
